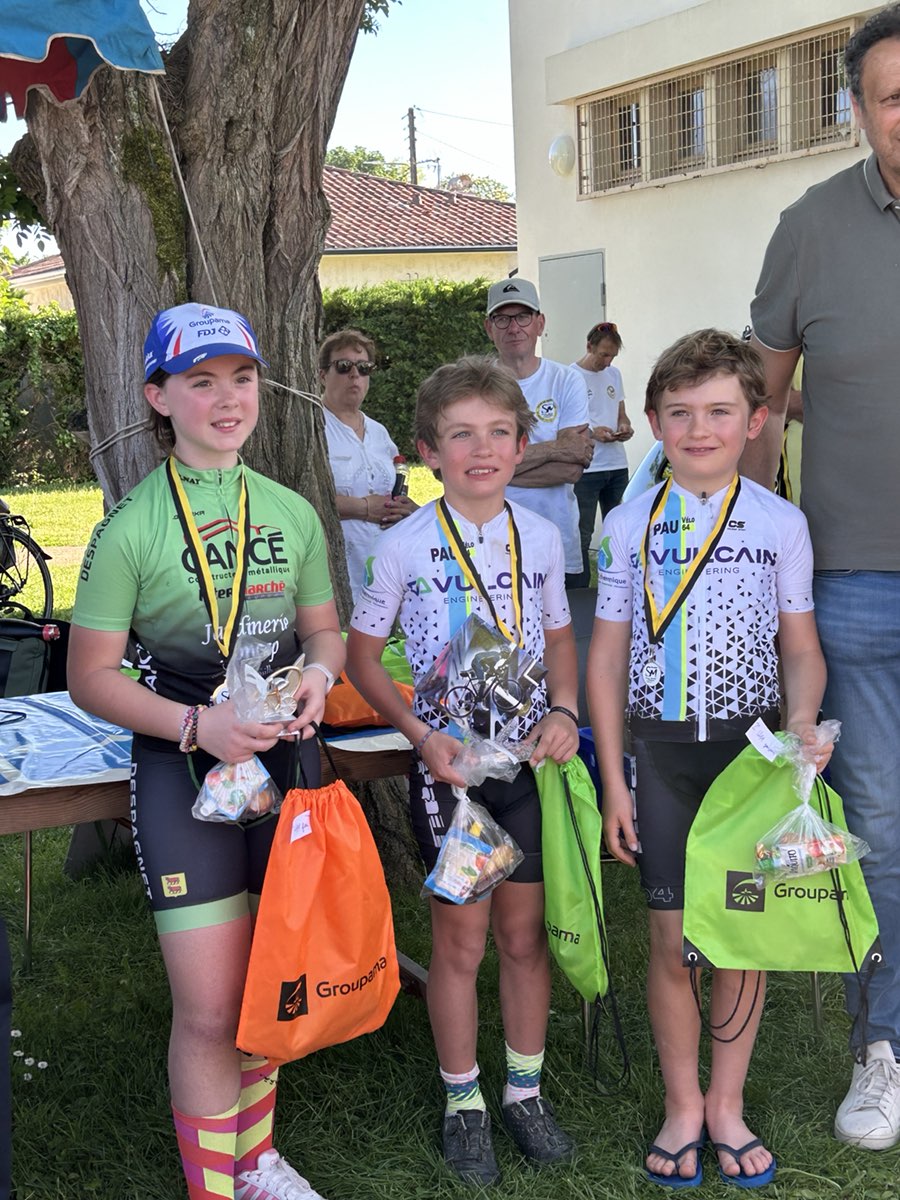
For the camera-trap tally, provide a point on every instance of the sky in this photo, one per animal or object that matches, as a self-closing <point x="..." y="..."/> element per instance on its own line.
<point x="450" y="62"/>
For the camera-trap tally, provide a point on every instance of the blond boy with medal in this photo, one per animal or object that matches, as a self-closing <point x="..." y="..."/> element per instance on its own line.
<point x="474" y="553"/>
<point x="701" y="576"/>
<point x="202" y="551"/>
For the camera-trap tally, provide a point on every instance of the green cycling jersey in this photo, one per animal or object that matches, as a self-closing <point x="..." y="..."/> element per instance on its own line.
<point x="139" y="575"/>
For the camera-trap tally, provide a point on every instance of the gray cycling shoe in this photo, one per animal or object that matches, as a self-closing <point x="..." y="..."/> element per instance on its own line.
<point x="532" y="1126"/>
<point x="468" y="1150"/>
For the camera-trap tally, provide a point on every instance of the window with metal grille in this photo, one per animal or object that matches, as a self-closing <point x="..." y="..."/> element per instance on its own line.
<point x="785" y="99"/>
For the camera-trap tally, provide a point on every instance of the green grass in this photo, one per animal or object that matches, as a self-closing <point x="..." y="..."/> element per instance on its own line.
<point x="362" y="1119"/>
<point x="58" y="516"/>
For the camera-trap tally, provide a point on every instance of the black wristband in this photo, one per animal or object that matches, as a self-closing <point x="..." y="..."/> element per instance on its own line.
<point x="566" y="712"/>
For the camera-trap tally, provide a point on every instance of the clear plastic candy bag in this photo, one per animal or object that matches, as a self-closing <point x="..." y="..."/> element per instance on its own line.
<point x="475" y="855"/>
<point x="244" y="791"/>
<point x="237" y="792"/>
<point x="803" y="842"/>
<point x="480" y="680"/>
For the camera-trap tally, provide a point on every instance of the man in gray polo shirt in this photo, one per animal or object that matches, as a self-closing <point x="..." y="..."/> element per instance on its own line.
<point x="830" y="288"/>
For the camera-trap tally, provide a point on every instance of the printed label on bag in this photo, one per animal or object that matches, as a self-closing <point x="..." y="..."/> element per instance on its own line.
<point x="761" y="738"/>
<point x="301" y="825"/>
<point x="742" y="894"/>
<point x="293" y="1002"/>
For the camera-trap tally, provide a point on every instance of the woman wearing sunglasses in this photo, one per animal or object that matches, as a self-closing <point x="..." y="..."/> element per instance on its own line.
<point x="360" y="450"/>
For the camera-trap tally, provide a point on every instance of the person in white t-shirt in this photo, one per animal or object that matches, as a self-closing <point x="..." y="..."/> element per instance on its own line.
<point x="360" y="451"/>
<point x="606" y="475"/>
<point x="560" y="446"/>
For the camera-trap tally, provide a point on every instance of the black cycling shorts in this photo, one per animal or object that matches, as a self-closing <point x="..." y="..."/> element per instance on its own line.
<point x="515" y="806"/>
<point x="671" y="780"/>
<point x="199" y="873"/>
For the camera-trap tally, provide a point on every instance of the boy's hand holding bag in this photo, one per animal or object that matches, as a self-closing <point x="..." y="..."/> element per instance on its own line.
<point x="323" y="963"/>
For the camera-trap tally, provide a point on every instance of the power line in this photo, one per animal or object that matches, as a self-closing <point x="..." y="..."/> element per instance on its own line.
<point x="459" y="150"/>
<point x="457" y="117"/>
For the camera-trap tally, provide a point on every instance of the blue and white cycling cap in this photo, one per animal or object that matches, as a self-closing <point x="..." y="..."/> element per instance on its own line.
<point x="184" y="336"/>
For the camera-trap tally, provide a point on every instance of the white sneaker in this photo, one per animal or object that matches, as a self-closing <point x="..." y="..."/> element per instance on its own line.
<point x="869" y="1115"/>
<point x="273" y="1179"/>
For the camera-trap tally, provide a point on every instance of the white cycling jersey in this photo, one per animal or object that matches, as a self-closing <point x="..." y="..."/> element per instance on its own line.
<point x="415" y="575"/>
<point x="717" y="659"/>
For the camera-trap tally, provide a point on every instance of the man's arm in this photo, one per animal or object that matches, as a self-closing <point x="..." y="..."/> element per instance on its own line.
<point x="561" y="461"/>
<point x="760" y="458"/>
<point x="624" y="429"/>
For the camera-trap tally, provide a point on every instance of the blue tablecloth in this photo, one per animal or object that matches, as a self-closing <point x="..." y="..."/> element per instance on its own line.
<point x="46" y="741"/>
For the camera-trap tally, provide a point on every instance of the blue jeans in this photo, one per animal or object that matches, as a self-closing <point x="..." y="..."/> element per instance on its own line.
<point x="858" y="617"/>
<point x="594" y="487"/>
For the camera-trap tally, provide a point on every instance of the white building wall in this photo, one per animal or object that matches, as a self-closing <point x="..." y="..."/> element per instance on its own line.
<point x="680" y="254"/>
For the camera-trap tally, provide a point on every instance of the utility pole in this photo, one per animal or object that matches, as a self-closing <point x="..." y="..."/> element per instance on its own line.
<point x="411" y="120"/>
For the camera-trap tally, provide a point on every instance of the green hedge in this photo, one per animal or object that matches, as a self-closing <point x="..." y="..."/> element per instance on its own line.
<point x="416" y="326"/>
<point x="41" y="395"/>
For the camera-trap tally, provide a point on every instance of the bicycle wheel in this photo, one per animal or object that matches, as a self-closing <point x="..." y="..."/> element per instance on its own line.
<point x="460" y="702"/>
<point x="26" y="589"/>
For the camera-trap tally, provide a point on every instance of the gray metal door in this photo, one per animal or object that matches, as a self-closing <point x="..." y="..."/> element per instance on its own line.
<point x="573" y="297"/>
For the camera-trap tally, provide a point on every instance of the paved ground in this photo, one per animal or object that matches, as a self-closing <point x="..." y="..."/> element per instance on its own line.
<point x="66" y="556"/>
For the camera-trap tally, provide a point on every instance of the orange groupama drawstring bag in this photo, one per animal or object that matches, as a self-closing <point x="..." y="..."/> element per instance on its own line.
<point x="323" y="964"/>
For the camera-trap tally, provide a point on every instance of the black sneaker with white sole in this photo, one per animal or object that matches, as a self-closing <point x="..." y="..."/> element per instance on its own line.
<point x="532" y="1126"/>
<point x="468" y="1149"/>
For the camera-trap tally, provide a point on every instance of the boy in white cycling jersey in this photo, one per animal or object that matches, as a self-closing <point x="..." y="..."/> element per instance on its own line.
<point x="699" y="577"/>
<point x="449" y="559"/>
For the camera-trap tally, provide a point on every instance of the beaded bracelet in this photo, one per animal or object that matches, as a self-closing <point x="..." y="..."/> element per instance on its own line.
<point x="189" y="726"/>
<point x="424" y="738"/>
<point x="566" y="712"/>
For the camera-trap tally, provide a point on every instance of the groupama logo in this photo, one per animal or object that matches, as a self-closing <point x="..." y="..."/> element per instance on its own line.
<point x="742" y="894"/>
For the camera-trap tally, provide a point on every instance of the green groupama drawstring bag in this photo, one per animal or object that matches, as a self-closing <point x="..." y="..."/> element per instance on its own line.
<point x="573" y="895"/>
<point x="821" y="922"/>
<point x="571" y="828"/>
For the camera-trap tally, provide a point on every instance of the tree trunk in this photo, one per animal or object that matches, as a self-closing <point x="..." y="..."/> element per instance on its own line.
<point x="250" y="94"/>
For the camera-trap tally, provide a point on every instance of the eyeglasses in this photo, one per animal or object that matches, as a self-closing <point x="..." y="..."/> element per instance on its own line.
<point x="523" y="320"/>
<point x="603" y="327"/>
<point x="344" y="366"/>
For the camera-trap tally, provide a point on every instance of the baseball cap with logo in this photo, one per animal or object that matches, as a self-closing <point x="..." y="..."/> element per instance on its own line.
<point x="513" y="291"/>
<point x="181" y="337"/>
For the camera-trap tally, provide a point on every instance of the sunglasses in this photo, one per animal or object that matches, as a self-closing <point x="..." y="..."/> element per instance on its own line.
<point x="344" y="366"/>
<point x="523" y="320"/>
<point x="603" y="327"/>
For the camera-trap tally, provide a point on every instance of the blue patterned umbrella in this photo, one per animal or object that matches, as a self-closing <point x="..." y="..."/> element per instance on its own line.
<point x="59" y="44"/>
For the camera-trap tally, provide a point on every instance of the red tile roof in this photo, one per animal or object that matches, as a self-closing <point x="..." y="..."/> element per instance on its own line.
<point x="52" y="262"/>
<point x="370" y="213"/>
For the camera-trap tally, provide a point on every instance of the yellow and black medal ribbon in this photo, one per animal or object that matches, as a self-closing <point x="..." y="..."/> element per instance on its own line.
<point x="468" y="568"/>
<point x="659" y="620"/>
<point x="193" y="539"/>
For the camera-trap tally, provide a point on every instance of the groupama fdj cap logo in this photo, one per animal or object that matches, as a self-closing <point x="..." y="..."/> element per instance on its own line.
<point x="741" y="893"/>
